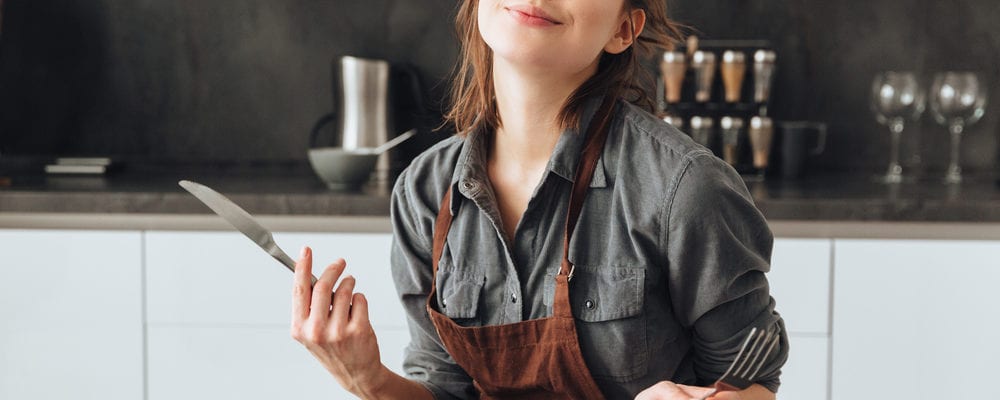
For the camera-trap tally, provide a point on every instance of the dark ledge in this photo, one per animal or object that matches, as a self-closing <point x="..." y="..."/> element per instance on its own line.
<point x="294" y="191"/>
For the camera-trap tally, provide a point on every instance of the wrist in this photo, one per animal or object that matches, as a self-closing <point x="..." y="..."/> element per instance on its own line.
<point x="373" y="387"/>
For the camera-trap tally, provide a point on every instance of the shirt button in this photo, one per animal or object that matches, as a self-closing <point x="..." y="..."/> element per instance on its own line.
<point x="513" y="298"/>
<point x="589" y="304"/>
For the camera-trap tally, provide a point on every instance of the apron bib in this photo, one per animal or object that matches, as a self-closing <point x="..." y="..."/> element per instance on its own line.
<point x="535" y="359"/>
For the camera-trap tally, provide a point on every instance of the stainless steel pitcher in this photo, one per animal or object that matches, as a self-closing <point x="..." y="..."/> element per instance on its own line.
<point x="363" y="105"/>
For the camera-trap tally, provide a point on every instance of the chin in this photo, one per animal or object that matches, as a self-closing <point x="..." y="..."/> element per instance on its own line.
<point x="526" y="50"/>
<point x="527" y="57"/>
<point x="549" y="61"/>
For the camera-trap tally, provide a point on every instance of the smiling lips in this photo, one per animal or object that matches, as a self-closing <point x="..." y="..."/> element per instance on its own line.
<point x="531" y="15"/>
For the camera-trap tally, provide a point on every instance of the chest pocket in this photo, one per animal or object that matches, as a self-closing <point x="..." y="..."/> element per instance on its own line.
<point x="611" y="325"/>
<point x="459" y="295"/>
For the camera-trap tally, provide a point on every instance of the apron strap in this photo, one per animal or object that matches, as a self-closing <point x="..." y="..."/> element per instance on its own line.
<point x="597" y="134"/>
<point x="441" y="228"/>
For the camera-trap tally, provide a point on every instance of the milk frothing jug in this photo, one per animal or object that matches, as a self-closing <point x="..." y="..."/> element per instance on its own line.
<point x="363" y="107"/>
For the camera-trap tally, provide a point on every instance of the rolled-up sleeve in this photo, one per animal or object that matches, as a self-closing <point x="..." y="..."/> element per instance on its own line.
<point x="718" y="250"/>
<point x="425" y="360"/>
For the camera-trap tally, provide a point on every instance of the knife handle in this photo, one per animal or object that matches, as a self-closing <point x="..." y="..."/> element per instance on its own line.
<point x="280" y="255"/>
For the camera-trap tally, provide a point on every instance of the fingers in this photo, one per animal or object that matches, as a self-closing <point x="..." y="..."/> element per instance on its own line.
<point x="662" y="390"/>
<point x="359" y="311"/>
<point x="342" y="302"/>
<point x="698" y="392"/>
<point x="302" y="286"/>
<point x="670" y="390"/>
<point x="323" y="291"/>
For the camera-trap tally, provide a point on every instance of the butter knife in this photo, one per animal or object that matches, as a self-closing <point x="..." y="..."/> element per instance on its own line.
<point x="241" y="220"/>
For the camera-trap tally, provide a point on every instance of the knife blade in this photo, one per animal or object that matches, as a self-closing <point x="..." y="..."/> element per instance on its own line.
<point x="241" y="220"/>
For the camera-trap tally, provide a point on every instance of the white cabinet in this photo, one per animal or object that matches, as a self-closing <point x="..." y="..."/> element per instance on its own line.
<point x="71" y="315"/>
<point x="800" y="285"/>
<point x="804" y="376"/>
<point x="910" y="319"/>
<point x="235" y="362"/>
<point x="213" y="362"/>
<point x="219" y="310"/>
<point x="915" y="319"/>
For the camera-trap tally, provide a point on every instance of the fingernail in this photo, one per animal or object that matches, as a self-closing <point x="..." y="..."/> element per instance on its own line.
<point x="304" y="252"/>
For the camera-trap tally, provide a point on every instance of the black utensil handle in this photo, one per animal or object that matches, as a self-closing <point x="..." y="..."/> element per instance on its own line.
<point x="417" y="90"/>
<point x="821" y="128"/>
<point x="322" y="122"/>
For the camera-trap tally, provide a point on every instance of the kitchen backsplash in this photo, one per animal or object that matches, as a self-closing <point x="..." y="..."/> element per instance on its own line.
<point x="244" y="80"/>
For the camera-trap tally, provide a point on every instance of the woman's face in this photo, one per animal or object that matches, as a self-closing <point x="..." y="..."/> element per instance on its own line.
<point x="554" y="35"/>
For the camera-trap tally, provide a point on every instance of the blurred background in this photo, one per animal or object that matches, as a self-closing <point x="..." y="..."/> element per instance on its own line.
<point x="117" y="284"/>
<point x="244" y="80"/>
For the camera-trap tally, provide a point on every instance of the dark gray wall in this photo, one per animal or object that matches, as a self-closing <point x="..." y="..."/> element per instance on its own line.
<point x="194" y="80"/>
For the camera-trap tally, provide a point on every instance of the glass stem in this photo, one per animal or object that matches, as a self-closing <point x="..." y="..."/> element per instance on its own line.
<point x="895" y="170"/>
<point x="954" y="169"/>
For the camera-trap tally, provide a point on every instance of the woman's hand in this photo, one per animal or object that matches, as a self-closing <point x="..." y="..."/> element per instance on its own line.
<point x="667" y="390"/>
<point x="334" y="326"/>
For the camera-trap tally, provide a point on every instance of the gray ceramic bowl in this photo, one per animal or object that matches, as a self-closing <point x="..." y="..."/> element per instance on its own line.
<point x="342" y="169"/>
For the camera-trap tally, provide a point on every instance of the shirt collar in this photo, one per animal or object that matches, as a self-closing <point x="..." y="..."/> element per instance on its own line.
<point x="567" y="152"/>
<point x="470" y="169"/>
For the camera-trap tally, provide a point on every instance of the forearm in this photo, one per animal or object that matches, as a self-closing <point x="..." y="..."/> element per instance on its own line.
<point x="391" y="386"/>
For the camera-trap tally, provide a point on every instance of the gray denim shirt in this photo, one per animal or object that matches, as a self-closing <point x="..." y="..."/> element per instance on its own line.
<point x="670" y="254"/>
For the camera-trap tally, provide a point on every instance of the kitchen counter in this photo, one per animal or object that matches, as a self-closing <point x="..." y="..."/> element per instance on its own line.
<point x="291" y="197"/>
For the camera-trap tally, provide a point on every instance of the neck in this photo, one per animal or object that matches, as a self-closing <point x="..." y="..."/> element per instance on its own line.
<point x="529" y="103"/>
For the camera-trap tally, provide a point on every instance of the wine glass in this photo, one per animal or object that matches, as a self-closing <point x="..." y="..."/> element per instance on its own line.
<point x="958" y="99"/>
<point x="896" y="99"/>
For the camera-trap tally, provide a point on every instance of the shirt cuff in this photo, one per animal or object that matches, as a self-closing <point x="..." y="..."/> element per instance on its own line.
<point x="438" y="392"/>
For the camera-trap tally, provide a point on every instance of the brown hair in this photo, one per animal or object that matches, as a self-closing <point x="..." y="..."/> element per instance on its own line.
<point x="619" y="75"/>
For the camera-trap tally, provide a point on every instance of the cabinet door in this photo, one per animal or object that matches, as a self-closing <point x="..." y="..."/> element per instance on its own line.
<point x="226" y="362"/>
<point x="214" y="278"/>
<point x="223" y="278"/>
<point x="71" y="312"/>
<point x="805" y="375"/>
<point x="219" y="309"/>
<point x="915" y="319"/>
<point x="800" y="284"/>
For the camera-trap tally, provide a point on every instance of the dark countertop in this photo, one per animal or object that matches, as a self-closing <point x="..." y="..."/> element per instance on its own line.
<point x="263" y="190"/>
<point x="294" y="191"/>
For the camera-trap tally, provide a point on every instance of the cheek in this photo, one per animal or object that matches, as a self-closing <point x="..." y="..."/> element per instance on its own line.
<point x="589" y="38"/>
<point x="601" y="24"/>
<point x="487" y="24"/>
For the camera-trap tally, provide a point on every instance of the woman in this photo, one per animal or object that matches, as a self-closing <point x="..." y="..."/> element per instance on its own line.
<point x="635" y="275"/>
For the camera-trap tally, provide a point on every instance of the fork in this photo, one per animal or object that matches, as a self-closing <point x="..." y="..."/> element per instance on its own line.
<point x="756" y="348"/>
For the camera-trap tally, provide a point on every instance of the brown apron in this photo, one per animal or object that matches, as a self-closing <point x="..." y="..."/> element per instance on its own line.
<point x="535" y="359"/>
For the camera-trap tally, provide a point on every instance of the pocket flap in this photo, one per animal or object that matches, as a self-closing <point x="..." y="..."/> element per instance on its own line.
<point x="605" y="295"/>
<point x="459" y="296"/>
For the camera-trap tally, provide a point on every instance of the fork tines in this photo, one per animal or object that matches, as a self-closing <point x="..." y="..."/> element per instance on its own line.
<point x="755" y="350"/>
